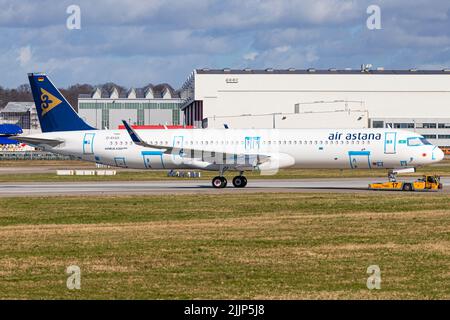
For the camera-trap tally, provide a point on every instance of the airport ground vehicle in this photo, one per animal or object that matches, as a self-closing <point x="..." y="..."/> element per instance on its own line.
<point x="426" y="183"/>
<point x="446" y="150"/>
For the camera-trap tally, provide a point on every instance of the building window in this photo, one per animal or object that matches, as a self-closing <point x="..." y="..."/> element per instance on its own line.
<point x="377" y="124"/>
<point x="444" y="125"/>
<point x="426" y="125"/>
<point x="403" y="125"/>
<point x="429" y="136"/>
<point x="105" y="116"/>
<point x="444" y="136"/>
<point x="140" y="116"/>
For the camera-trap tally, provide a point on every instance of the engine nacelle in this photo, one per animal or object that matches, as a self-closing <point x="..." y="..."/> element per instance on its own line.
<point x="274" y="163"/>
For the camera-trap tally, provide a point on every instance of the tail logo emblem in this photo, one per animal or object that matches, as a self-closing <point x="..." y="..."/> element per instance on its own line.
<point x="48" y="101"/>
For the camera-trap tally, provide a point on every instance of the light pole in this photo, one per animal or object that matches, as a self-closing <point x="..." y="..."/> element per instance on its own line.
<point x="273" y="119"/>
<point x="96" y="114"/>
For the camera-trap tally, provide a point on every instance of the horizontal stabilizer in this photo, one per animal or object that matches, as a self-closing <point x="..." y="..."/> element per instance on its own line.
<point x="37" y="141"/>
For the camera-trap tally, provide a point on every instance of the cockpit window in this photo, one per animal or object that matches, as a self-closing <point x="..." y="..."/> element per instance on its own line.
<point x="425" y="141"/>
<point x="417" y="141"/>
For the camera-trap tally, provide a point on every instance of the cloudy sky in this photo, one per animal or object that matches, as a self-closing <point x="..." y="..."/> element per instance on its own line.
<point x="135" y="42"/>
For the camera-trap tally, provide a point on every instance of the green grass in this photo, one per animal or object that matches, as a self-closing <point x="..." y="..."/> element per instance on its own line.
<point x="235" y="246"/>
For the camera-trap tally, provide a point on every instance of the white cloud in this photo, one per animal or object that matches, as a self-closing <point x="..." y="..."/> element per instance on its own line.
<point x="311" y="55"/>
<point x="126" y="39"/>
<point x="25" y="56"/>
<point x="251" y="56"/>
<point x="282" y="49"/>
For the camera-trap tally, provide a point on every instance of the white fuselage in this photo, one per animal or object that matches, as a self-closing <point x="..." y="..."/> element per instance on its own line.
<point x="296" y="148"/>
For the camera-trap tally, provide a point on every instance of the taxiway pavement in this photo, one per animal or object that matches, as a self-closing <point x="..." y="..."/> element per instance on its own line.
<point x="335" y="185"/>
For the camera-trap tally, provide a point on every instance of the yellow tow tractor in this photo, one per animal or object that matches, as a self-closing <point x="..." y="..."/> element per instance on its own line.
<point x="426" y="183"/>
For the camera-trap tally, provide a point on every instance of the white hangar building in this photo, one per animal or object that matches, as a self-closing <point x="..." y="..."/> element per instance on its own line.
<point x="417" y="100"/>
<point x="151" y="105"/>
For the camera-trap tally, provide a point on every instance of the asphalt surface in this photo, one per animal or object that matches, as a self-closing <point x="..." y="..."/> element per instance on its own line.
<point x="340" y="185"/>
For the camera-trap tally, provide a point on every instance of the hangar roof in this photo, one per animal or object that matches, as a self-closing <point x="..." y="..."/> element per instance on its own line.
<point x="18" y="107"/>
<point x="320" y="71"/>
<point x="158" y="92"/>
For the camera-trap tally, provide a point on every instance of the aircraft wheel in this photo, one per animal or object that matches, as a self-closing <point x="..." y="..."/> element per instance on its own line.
<point x="239" y="181"/>
<point x="245" y="181"/>
<point x="219" y="182"/>
<point x="407" y="187"/>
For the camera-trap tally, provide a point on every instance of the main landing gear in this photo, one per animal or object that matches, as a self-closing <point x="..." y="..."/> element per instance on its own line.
<point x="239" y="181"/>
<point x="221" y="182"/>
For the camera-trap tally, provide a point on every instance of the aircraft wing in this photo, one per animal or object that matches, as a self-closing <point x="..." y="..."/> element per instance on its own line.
<point x="37" y="141"/>
<point x="239" y="160"/>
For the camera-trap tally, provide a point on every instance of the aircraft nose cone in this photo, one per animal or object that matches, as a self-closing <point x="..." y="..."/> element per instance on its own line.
<point x="438" y="154"/>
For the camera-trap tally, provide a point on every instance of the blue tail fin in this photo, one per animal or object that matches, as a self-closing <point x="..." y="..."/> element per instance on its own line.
<point x="54" y="112"/>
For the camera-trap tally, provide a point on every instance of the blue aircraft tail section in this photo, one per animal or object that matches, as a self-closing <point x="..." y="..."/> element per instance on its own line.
<point x="54" y="112"/>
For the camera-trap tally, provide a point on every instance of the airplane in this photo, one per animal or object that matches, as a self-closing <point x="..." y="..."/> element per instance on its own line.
<point x="239" y="150"/>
